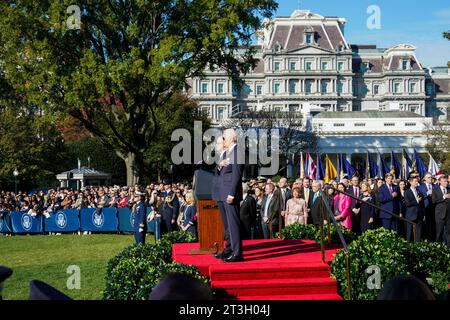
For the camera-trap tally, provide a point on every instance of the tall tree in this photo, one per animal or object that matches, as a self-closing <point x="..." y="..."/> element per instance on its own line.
<point x="294" y="136"/>
<point x="125" y="61"/>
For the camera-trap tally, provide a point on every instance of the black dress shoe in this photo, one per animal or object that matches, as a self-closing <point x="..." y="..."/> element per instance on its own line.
<point x="234" y="259"/>
<point x="222" y="255"/>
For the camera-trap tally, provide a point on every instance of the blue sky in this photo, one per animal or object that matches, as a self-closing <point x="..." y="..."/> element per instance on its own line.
<point x="420" y="23"/>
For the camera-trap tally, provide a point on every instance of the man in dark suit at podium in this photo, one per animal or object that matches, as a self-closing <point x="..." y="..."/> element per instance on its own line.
<point x="215" y="194"/>
<point x="230" y="192"/>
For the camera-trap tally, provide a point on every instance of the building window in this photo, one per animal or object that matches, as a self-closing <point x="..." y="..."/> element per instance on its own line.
<point x="292" y="66"/>
<point x="277" y="108"/>
<point x="414" y="109"/>
<point x="277" y="47"/>
<point x="292" y="86"/>
<point x="360" y="124"/>
<point x="405" y="64"/>
<point x="276" y="88"/>
<point x="340" y="87"/>
<point x="220" y="88"/>
<point x="389" y="124"/>
<point x="259" y="89"/>
<point x="396" y="87"/>
<point x="220" y="113"/>
<point x="410" y="124"/>
<point x="276" y="66"/>
<point x="204" y="88"/>
<point x="324" y="86"/>
<point x="308" y="38"/>
<point x="324" y="65"/>
<point x="340" y="66"/>
<point x="376" y="89"/>
<point x="413" y="87"/>
<point x="293" y="108"/>
<point x="364" y="67"/>
<point x="338" y="124"/>
<point x="205" y="110"/>
<point x="308" y="86"/>
<point x="308" y="65"/>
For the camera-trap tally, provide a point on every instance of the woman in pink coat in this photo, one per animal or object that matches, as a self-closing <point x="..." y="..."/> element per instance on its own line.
<point x="342" y="207"/>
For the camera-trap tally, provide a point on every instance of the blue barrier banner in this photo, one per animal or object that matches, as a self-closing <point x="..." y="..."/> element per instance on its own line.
<point x="62" y="221"/>
<point x="125" y="220"/>
<point x="22" y="222"/>
<point x="5" y="223"/>
<point x="102" y="221"/>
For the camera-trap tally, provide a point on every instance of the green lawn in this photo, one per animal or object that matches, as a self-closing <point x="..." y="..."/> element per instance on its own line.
<point x="46" y="258"/>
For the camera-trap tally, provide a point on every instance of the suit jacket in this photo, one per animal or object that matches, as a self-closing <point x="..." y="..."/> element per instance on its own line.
<point x="140" y="216"/>
<point x="247" y="211"/>
<point x="414" y="209"/>
<point x="273" y="211"/>
<point x="442" y="207"/>
<point x="188" y="215"/>
<point x="303" y="195"/>
<point x="230" y="177"/>
<point x="344" y="208"/>
<point x="172" y="209"/>
<point x="287" y="196"/>
<point x="354" y="203"/>
<point x="315" y="208"/>
<point x="426" y="198"/>
<point x="388" y="202"/>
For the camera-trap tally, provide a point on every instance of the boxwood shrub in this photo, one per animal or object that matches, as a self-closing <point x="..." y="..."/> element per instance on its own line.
<point x="312" y="232"/>
<point x="394" y="256"/>
<point x="133" y="273"/>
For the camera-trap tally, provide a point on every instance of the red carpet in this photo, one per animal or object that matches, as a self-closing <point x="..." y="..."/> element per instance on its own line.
<point x="272" y="270"/>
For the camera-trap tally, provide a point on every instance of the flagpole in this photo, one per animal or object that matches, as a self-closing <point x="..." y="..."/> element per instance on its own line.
<point x="302" y="169"/>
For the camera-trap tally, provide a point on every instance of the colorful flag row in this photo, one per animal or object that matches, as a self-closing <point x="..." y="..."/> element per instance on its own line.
<point x="373" y="169"/>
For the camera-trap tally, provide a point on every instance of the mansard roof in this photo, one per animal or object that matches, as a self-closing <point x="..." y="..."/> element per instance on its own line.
<point x="288" y="32"/>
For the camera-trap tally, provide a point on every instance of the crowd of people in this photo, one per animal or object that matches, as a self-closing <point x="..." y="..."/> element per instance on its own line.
<point x="268" y="206"/>
<point x="176" y="197"/>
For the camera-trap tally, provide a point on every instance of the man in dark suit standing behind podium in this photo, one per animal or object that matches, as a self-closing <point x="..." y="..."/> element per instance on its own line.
<point x="216" y="196"/>
<point x="230" y="193"/>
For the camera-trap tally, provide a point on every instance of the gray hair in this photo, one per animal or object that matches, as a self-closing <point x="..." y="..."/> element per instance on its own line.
<point x="316" y="184"/>
<point x="245" y="187"/>
<point x="230" y="133"/>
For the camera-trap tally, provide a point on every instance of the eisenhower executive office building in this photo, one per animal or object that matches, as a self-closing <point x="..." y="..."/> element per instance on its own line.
<point x="357" y="98"/>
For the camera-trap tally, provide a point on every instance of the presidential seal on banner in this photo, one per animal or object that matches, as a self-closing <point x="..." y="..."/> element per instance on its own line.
<point x="61" y="220"/>
<point x="98" y="219"/>
<point x="27" y="222"/>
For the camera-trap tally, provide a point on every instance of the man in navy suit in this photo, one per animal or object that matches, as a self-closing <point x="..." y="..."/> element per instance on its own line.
<point x="388" y="196"/>
<point x="230" y="192"/>
<point x="215" y="193"/>
<point x="441" y="201"/>
<point x="430" y="224"/>
<point x="355" y="190"/>
<point x="414" y="199"/>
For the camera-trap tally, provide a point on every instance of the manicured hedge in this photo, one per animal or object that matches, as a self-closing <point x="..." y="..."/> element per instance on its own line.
<point x="312" y="232"/>
<point x="136" y="270"/>
<point x="394" y="256"/>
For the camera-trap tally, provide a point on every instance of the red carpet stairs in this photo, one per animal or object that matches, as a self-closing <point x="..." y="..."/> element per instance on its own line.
<point x="272" y="270"/>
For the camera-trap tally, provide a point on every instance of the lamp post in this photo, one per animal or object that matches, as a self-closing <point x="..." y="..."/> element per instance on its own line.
<point x="15" y="173"/>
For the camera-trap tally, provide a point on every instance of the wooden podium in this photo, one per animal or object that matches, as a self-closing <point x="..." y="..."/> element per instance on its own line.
<point x="209" y="223"/>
